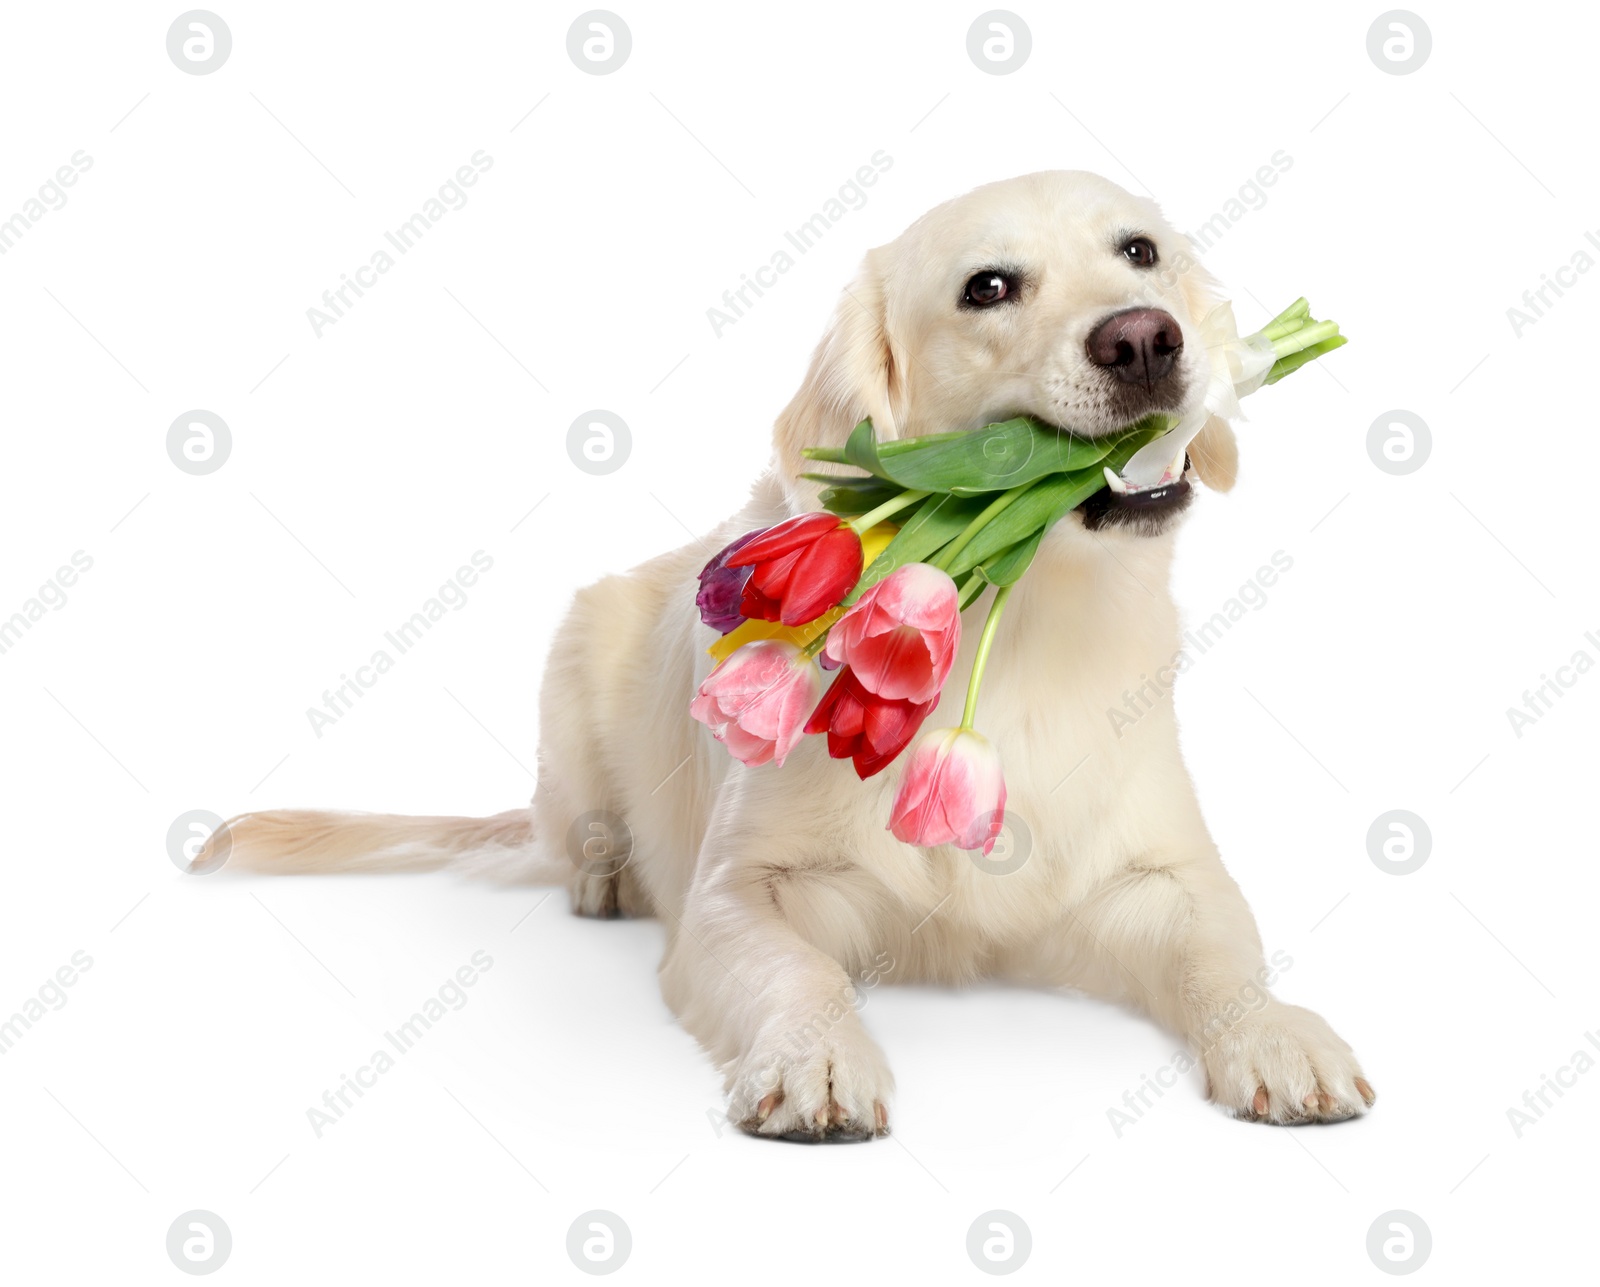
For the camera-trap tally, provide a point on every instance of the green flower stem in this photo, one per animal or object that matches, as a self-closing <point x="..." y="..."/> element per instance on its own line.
<point x="1304" y="338"/>
<point x="985" y="642"/>
<point x="889" y="507"/>
<point x="1292" y="363"/>
<point x="970" y="587"/>
<point x="994" y="509"/>
<point x="811" y="649"/>
<point x="1288" y="321"/>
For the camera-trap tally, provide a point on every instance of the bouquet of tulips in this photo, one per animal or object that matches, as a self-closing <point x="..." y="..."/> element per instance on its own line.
<point x="872" y="587"/>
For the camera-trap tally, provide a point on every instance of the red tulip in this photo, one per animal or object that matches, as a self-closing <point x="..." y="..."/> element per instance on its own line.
<point x="952" y="792"/>
<point x="800" y="569"/>
<point x="755" y="703"/>
<point x="864" y="727"/>
<point x="902" y="635"/>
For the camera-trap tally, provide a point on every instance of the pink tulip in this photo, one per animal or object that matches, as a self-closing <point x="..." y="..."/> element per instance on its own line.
<point x="756" y="702"/>
<point x="901" y="637"/>
<point x="951" y="793"/>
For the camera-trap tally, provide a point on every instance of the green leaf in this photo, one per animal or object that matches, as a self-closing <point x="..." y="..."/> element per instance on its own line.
<point x="1007" y="568"/>
<point x="996" y="458"/>
<point x="1042" y="506"/>
<point x="894" y="447"/>
<point x="851" y="495"/>
<point x="1034" y="510"/>
<point x="860" y="482"/>
<point x="993" y="459"/>
<point x="861" y="450"/>
<point x="897" y="446"/>
<point x="937" y="522"/>
<point x="1082" y="486"/>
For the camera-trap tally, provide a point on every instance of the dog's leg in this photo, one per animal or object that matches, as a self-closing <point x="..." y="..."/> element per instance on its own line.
<point x="776" y="1012"/>
<point x="579" y="811"/>
<point x="577" y="815"/>
<point x="1177" y="939"/>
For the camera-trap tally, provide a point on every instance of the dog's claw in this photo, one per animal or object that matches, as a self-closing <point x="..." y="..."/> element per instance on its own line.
<point x="1367" y="1093"/>
<point x="832" y="1122"/>
<point x="1260" y="1103"/>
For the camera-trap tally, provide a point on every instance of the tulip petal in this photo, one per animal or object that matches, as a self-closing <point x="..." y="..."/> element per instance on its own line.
<point x="756" y="701"/>
<point x="952" y="792"/>
<point x="902" y="636"/>
<point x="787" y="536"/>
<point x="823" y="574"/>
<point x="721" y="587"/>
<point x="897" y="664"/>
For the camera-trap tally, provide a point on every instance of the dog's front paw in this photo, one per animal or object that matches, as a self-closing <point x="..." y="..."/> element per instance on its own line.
<point x="813" y="1083"/>
<point x="1285" y="1065"/>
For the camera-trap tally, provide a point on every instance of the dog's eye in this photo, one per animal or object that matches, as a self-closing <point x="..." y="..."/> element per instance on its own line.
<point x="1140" y="251"/>
<point x="988" y="288"/>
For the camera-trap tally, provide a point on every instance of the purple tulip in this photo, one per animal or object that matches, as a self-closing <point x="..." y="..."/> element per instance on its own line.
<point x="721" y="587"/>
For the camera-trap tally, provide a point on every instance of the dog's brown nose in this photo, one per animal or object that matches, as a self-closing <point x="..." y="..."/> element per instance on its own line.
<point x="1139" y="346"/>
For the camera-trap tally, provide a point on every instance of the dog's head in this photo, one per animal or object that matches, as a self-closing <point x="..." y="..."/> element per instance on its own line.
<point x="1056" y="295"/>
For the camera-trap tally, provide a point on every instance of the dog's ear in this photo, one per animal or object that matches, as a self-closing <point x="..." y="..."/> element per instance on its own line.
<point x="854" y="373"/>
<point x="1214" y="454"/>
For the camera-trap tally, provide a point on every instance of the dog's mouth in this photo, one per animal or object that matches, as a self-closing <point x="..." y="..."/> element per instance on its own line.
<point x="1145" y="508"/>
<point x="1132" y="491"/>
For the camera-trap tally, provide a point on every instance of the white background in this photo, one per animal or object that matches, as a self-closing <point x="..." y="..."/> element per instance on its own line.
<point x="369" y="463"/>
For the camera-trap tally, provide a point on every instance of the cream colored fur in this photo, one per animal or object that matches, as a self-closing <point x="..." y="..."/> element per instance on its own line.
<point x="780" y="890"/>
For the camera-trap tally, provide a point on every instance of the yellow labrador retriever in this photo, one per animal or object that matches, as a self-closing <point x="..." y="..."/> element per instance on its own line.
<point x="1057" y="295"/>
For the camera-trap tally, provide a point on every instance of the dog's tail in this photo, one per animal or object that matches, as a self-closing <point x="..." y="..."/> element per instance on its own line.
<point x="301" y="841"/>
